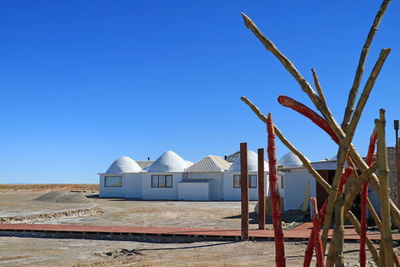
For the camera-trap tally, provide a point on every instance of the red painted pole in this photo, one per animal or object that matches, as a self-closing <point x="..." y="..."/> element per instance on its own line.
<point x="311" y="240"/>
<point x="244" y="182"/>
<point x="318" y="244"/>
<point x="309" y="113"/>
<point x="261" y="189"/>
<point x="280" y="259"/>
<point x="306" y="111"/>
<point x="364" y="197"/>
<point x="309" y="249"/>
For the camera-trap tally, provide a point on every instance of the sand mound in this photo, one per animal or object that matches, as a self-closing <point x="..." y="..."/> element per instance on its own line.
<point x="64" y="197"/>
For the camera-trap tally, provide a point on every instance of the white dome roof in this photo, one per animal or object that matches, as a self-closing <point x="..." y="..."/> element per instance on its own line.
<point x="252" y="162"/>
<point x="290" y="160"/>
<point x="169" y="162"/>
<point x="124" y="164"/>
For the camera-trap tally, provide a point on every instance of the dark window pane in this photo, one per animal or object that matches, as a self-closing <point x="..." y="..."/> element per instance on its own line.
<point x="236" y="181"/>
<point x="113" y="181"/>
<point x="168" y="182"/>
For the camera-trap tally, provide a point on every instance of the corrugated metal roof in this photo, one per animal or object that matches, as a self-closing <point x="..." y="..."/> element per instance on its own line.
<point x="209" y="164"/>
<point x="232" y="157"/>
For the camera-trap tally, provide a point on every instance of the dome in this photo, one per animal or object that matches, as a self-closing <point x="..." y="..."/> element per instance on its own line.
<point x="123" y="164"/>
<point x="252" y="163"/>
<point x="290" y="160"/>
<point x="168" y="162"/>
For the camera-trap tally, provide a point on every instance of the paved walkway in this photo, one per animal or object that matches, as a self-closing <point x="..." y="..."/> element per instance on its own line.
<point x="300" y="232"/>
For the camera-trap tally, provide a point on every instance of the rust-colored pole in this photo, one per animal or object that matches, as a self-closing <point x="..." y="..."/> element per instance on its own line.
<point x="280" y="259"/>
<point x="244" y="182"/>
<point x="261" y="189"/>
<point x="364" y="199"/>
<point x="317" y="241"/>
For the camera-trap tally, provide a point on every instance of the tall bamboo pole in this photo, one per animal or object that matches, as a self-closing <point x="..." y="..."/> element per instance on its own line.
<point x="275" y="197"/>
<point x="335" y="254"/>
<point x="386" y="234"/>
<point x="367" y="172"/>
<point x="322" y="107"/>
<point x="364" y="200"/>
<point x="360" y="68"/>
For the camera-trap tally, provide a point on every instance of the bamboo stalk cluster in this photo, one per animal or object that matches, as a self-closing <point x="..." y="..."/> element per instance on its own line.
<point x="343" y="136"/>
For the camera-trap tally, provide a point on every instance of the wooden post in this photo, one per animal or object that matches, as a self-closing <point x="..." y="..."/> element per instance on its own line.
<point x="398" y="171"/>
<point x="261" y="190"/>
<point x="244" y="182"/>
<point x="386" y="234"/>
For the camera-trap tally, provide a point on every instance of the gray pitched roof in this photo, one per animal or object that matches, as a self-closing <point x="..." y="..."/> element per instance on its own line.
<point x="144" y="164"/>
<point x="209" y="164"/>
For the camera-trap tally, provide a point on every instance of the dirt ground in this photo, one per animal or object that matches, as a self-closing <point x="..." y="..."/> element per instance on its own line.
<point x="17" y="251"/>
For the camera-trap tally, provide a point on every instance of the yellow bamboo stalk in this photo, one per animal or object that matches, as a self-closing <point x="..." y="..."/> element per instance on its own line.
<point x="322" y="107"/>
<point x="386" y="234"/>
<point x="349" y="215"/>
<point x="360" y="68"/>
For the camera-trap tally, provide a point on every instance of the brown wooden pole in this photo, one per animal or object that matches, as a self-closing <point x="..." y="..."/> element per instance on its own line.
<point x="261" y="189"/>
<point x="398" y="170"/>
<point x="244" y="182"/>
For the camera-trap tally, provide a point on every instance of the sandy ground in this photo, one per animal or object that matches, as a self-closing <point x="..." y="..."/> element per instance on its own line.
<point x="71" y="252"/>
<point x="17" y="251"/>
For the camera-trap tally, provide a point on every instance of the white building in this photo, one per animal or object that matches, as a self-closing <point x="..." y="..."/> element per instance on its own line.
<point x="173" y="178"/>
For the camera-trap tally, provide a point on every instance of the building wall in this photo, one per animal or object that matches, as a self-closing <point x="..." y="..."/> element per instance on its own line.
<point x="194" y="191"/>
<point x="110" y="191"/>
<point x="216" y="182"/>
<point x="231" y="193"/>
<point x="132" y="185"/>
<point x="296" y="181"/>
<point x="160" y="193"/>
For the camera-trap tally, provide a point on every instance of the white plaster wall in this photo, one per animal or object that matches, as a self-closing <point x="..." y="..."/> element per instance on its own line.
<point x="231" y="193"/>
<point x="216" y="181"/>
<point x="132" y="185"/>
<point x="160" y="193"/>
<point x="194" y="191"/>
<point x="295" y="183"/>
<point x="111" y="191"/>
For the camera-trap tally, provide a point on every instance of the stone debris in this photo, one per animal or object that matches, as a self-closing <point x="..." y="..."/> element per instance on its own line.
<point x="64" y="197"/>
<point x="49" y="216"/>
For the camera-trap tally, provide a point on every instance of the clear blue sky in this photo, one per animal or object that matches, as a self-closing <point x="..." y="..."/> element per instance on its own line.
<point x="84" y="82"/>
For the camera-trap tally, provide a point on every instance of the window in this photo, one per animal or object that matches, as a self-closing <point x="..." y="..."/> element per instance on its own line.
<point x="161" y="181"/>
<point x="252" y="181"/>
<point x="282" y="182"/>
<point x="113" y="181"/>
<point x="236" y="181"/>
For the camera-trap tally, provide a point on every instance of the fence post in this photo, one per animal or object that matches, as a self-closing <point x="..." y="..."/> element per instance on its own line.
<point x="244" y="182"/>
<point x="261" y="190"/>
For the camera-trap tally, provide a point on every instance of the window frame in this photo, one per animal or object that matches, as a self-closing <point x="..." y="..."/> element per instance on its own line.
<point x="256" y="181"/>
<point x="238" y="176"/>
<point x="240" y="182"/>
<point x="115" y="184"/>
<point x="163" y="178"/>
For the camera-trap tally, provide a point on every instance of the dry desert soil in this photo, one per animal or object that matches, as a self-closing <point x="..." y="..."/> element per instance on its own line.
<point x="18" y="205"/>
